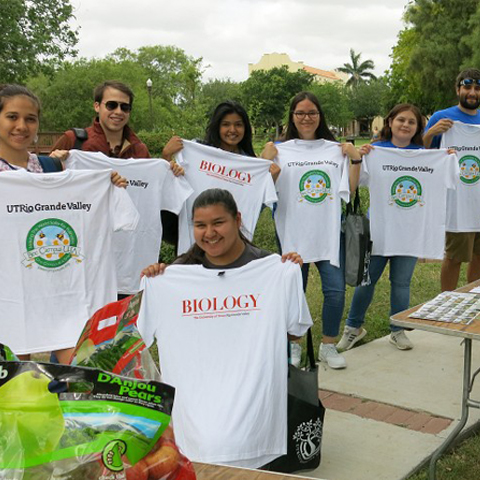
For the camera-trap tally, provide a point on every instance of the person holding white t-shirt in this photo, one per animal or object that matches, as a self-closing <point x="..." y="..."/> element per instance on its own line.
<point x="228" y="129"/>
<point x="312" y="149"/>
<point x="229" y="408"/>
<point x="403" y="129"/>
<point x="19" y="124"/>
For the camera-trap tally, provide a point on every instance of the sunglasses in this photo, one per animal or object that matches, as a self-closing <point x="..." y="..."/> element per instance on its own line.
<point x="112" y="105"/>
<point x="468" y="82"/>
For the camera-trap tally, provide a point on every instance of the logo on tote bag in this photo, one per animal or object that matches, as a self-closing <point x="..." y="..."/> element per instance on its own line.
<point x="315" y="187"/>
<point x="406" y="192"/>
<point x="51" y="243"/>
<point x="308" y="438"/>
<point x="469" y="170"/>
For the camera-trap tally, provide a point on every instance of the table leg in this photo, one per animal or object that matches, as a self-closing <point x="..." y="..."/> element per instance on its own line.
<point x="467" y="366"/>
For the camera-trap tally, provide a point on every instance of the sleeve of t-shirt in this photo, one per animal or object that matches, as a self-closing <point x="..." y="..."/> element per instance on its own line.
<point x="344" y="190"/>
<point x="299" y="319"/>
<point x="270" y="193"/>
<point x="175" y="191"/>
<point x="453" y="171"/>
<point x="364" y="173"/>
<point x="146" y="316"/>
<point x="122" y="210"/>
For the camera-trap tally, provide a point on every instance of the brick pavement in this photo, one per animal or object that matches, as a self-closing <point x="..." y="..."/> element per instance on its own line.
<point x="410" y="419"/>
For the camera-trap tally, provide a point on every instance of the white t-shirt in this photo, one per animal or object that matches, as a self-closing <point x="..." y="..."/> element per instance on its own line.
<point x="222" y="342"/>
<point x="408" y="200"/>
<point x="463" y="207"/>
<point x="311" y="185"/>
<point x="152" y="187"/>
<point x="247" y="179"/>
<point x="57" y="258"/>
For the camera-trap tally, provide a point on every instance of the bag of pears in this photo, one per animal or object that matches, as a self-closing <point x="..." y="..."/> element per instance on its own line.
<point x="60" y="422"/>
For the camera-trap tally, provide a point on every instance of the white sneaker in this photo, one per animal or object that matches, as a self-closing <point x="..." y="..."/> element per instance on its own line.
<point x="295" y="354"/>
<point x="328" y="353"/>
<point x="400" y="340"/>
<point x="350" y="337"/>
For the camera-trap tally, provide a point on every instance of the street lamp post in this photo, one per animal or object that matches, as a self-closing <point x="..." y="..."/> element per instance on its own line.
<point x="149" y="88"/>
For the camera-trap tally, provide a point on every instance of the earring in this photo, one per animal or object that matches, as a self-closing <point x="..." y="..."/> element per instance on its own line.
<point x="35" y="140"/>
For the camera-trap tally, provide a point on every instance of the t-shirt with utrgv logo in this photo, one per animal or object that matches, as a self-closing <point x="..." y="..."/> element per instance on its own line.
<point x="248" y="179"/>
<point x="463" y="205"/>
<point x="408" y="200"/>
<point x="312" y="183"/>
<point x="57" y="258"/>
<point x="222" y="339"/>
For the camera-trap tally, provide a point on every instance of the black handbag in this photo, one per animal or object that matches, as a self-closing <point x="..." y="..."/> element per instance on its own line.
<point x="358" y="245"/>
<point x="305" y="418"/>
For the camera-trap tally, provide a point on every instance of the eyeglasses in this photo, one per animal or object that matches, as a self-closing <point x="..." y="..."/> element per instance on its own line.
<point x="468" y="82"/>
<point x="112" y="105"/>
<point x="302" y="115"/>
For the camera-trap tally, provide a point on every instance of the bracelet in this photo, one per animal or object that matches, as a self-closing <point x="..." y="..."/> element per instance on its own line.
<point x="355" y="162"/>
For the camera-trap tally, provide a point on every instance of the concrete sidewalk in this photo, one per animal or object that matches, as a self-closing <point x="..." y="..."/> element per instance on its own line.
<point x="389" y="410"/>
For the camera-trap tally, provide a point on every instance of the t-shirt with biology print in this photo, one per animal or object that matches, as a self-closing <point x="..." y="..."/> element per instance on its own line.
<point x="58" y="264"/>
<point x="222" y="345"/>
<point x="463" y="205"/>
<point x="152" y="187"/>
<point x="408" y="200"/>
<point x="248" y="179"/>
<point x="312" y="183"/>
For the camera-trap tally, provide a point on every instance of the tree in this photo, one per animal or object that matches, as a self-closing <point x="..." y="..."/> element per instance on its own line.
<point x="429" y="58"/>
<point x="216" y="91"/>
<point x="267" y="94"/>
<point x="358" y="71"/>
<point x="35" y="36"/>
<point x="335" y="103"/>
<point x="367" y="100"/>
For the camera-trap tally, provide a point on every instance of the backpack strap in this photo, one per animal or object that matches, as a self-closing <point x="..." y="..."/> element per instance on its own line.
<point x="50" y="164"/>
<point x="80" y="136"/>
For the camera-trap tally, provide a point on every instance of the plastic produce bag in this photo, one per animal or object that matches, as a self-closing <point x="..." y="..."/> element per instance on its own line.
<point x="61" y="422"/>
<point x="110" y="341"/>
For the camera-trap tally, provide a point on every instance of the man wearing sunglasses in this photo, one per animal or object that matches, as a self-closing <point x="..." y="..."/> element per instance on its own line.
<point x="468" y="93"/>
<point x="109" y="133"/>
<point x="464" y="246"/>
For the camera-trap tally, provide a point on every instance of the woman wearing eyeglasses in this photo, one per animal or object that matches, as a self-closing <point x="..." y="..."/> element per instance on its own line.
<point x="315" y="177"/>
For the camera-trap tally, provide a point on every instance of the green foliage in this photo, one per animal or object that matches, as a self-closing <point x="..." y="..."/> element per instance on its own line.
<point x="367" y="99"/>
<point x="267" y="95"/>
<point x="67" y="96"/>
<point x="35" y="36"/>
<point x="358" y="71"/>
<point x="335" y="103"/>
<point x="439" y="41"/>
<point x="217" y="91"/>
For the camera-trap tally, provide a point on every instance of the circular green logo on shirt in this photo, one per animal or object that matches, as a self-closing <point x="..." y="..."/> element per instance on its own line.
<point x="469" y="169"/>
<point x="51" y="243"/>
<point x="314" y="186"/>
<point x="406" y="191"/>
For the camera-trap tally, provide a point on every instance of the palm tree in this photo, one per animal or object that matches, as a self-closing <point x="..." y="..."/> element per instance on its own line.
<point x="357" y="70"/>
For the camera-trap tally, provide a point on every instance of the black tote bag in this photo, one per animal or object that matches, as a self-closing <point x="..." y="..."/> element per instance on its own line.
<point x="305" y="418"/>
<point x="358" y="245"/>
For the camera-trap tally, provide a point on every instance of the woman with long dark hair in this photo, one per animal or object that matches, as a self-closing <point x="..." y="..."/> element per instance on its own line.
<point x="315" y="176"/>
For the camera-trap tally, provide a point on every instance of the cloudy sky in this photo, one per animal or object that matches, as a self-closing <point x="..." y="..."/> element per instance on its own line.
<point x="230" y="34"/>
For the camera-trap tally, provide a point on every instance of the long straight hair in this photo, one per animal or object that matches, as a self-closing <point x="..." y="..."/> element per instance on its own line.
<point x="212" y="134"/>
<point x="322" y="130"/>
<point x="212" y="196"/>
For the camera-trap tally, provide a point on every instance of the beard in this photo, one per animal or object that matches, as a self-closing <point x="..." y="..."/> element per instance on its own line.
<point x="469" y="104"/>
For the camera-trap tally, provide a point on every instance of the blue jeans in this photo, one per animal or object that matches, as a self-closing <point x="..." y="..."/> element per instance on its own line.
<point x="401" y="272"/>
<point x="333" y="289"/>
